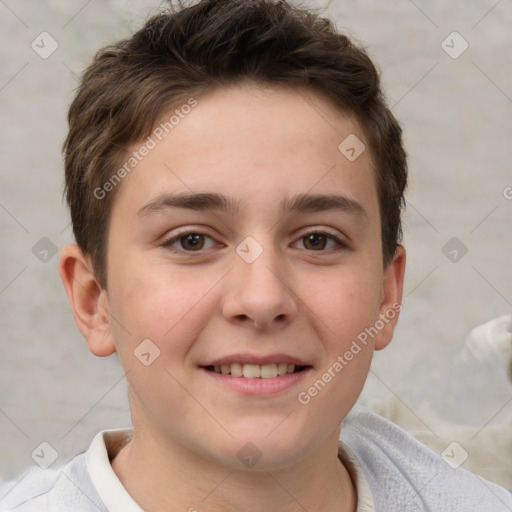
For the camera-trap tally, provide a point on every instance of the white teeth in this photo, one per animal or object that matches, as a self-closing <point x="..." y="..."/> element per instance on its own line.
<point x="268" y="371"/>
<point x="255" y="371"/>
<point x="237" y="370"/>
<point x="252" y="371"/>
<point x="282" y="368"/>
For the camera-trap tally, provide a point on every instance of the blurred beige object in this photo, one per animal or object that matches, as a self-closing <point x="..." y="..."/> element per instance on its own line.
<point x="492" y="342"/>
<point x="489" y="448"/>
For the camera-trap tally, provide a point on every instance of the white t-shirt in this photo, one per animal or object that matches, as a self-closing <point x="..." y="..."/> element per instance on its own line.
<point x="392" y="472"/>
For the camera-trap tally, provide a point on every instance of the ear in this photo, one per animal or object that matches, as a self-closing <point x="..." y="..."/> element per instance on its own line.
<point x="391" y="305"/>
<point x="89" y="302"/>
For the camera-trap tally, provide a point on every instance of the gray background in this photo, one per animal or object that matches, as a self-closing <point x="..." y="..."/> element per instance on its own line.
<point x="457" y="117"/>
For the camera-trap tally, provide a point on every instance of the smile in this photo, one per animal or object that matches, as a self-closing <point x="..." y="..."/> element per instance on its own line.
<point x="255" y="371"/>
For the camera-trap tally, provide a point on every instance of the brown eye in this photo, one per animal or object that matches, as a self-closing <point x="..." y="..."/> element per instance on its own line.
<point x="315" y="241"/>
<point x="320" y="242"/>
<point x="189" y="242"/>
<point x="192" y="242"/>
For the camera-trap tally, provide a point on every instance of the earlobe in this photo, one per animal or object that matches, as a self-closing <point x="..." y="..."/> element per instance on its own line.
<point x="89" y="302"/>
<point x="391" y="305"/>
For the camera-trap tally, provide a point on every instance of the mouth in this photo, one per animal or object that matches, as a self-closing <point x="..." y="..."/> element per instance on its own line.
<point x="257" y="374"/>
<point x="256" y="371"/>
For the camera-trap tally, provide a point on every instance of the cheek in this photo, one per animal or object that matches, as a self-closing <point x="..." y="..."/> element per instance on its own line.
<point x="163" y="306"/>
<point x="341" y="310"/>
<point x="343" y="304"/>
<point x="170" y="310"/>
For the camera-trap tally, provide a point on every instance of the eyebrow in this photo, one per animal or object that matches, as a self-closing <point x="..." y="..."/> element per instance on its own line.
<point x="200" y="202"/>
<point x="220" y="202"/>
<point x="324" y="202"/>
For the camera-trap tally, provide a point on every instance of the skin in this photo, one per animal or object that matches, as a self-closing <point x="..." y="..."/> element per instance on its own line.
<point x="258" y="145"/>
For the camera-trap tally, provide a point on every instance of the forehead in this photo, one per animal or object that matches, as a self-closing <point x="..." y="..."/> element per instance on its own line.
<point x="256" y="144"/>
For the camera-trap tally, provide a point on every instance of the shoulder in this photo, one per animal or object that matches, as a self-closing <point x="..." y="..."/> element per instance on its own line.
<point x="405" y="475"/>
<point x="52" y="489"/>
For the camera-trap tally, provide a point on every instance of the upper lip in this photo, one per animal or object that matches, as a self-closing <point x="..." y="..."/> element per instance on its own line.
<point x="258" y="359"/>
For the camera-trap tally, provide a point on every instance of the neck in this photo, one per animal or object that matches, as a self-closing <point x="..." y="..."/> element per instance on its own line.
<point x="163" y="475"/>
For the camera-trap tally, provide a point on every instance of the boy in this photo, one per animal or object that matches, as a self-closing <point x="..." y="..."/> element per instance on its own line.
<point x="235" y="182"/>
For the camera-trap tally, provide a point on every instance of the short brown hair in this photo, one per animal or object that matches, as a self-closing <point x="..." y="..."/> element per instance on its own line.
<point x="185" y="50"/>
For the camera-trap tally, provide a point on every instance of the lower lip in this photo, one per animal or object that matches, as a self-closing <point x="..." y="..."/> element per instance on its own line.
<point x="259" y="386"/>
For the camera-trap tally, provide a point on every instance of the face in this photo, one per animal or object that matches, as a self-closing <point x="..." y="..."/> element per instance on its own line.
<point x="246" y="248"/>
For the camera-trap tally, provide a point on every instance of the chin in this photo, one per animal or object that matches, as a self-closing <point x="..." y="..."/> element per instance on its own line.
<point x="260" y="449"/>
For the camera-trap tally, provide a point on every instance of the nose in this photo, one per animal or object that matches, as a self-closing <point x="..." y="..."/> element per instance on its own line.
<point x="258" y="293"/>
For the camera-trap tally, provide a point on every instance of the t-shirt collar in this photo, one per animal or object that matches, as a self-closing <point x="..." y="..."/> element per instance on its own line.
<point x="107" y="443"/>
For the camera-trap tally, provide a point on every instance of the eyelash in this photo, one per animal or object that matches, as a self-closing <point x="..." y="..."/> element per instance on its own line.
<point x="176" y="238"/>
